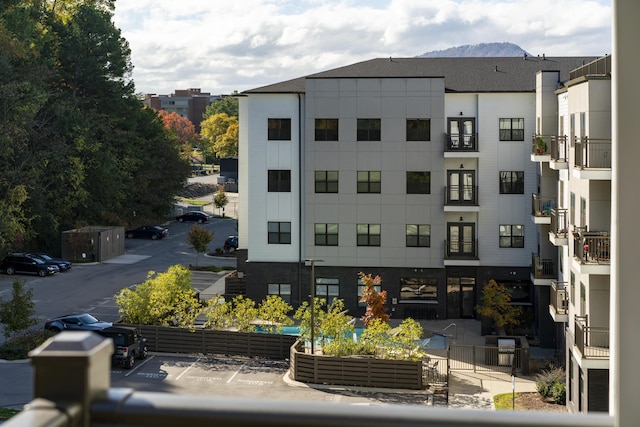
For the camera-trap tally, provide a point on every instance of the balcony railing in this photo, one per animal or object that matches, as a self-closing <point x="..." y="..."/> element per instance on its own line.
<point x="541" y="206"/>
<point x="543" y="268"/>
<point x="592" y="342"/>
<point x="592" y="153"/>
<point x="591" y="247"/>
<point x="461" y="195"/>
<point x="461" y="249"/>
<point x="72" y="388"/>
<point x="460" y="142"/>
<point x="560" y="223"/>
<point x="559" y="297"/>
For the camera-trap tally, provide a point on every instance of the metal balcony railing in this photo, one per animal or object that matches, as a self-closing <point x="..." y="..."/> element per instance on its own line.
<point x="592" y="153"/>
<point x="560" y="222"/>
<point x="461" y="249"/>
<point x="591" y="247"/>
<point x="460" y="142"/>
<point x="542" y="268"/>
<point x="591" y="341"/>
<point x="461" y="195"/>
<point x="541" y="206"/>
<point x="559" y="297"/>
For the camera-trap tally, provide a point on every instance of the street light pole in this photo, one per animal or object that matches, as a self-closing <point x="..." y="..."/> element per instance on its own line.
<point x="313" y="303"/>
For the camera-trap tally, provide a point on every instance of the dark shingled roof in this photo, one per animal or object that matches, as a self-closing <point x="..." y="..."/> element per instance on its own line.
<point x="499" y="74"/>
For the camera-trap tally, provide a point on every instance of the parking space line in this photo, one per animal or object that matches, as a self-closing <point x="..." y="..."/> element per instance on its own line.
<point x="235" y="373"/>
<point x="189" y="367"/>
<point x="140" y="365"/>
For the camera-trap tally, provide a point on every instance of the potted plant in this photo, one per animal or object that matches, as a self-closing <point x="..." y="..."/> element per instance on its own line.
<point x="540" y="145"/>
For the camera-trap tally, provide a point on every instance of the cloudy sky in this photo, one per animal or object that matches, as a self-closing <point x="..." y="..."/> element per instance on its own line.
<point x="222" y="46"/>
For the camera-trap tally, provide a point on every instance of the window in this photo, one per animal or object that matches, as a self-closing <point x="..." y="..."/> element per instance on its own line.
<point x="418" y="182"/>
<point x="361" y="287"/>
<point x="369" y="181"/>
<point x="326" y="181"/>
<point x="326" y="234"/>
<point x="511" y="182"/>
<point x="327" y="288"/>
<point x="368" y="130"/>
<point x="418" y="235"/>
<point x="511" y="236"/>
<point x="326" y="129"/>
<point x="279" y="232"/>
<point x="368" y="234"/>
<point x="418" y="130"/>
<point x="419" y="288"/>
<point x="279" y="181"/>
<point x="511" y="129"/>
<point x="283" y="290"/>
<point x="279" y="130"/>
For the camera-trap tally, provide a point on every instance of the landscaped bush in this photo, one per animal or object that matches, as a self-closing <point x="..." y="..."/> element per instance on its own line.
<point x="551" y="383"/>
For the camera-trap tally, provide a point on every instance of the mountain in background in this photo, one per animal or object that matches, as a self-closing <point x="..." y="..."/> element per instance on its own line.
<point x="477" y="50"/>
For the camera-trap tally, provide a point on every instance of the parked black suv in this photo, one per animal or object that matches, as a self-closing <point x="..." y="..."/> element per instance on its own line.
<point x="24" y="263"/>
<point x="129" y="345"/>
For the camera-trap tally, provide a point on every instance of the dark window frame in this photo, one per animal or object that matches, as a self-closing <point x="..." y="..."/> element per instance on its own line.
<point x="510" y="133"/>
<point x="366" y="234"/>
<point x="418" y="182"/>
<point x="325" y="181"/>
<point x="324" y="234"/>
<point x="277" y="233"/>
<point x="511" y="239"/>
<point x="368" y="129"/>
<point x="279" y="129"/>
<point x="511" y="182"/>
<point x="369" y="182"/>
<point x="418" y="129"/>
<point x="279" y="181"/>
<point x="324" y="131"/>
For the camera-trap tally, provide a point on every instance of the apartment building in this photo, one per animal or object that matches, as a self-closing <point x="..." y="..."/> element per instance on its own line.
<point x="190" y="103"/>
<point x="414" y="169"/>
<point x="575" y="181"/>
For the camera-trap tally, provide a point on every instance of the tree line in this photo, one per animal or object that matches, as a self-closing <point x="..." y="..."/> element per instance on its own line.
<point x="77" y="146"/>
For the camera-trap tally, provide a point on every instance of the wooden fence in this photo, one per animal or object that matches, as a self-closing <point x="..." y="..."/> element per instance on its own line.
<point x="206" y="341"/>
<point x="355" y="371"/>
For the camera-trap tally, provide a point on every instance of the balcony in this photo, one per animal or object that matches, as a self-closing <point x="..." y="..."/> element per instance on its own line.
<point x="461" y="198"/>
<point x="541" y="208"/>
<point x="460" y="145"/>
<point x="543" y="270"/>
<point x="592" y="158"/>
<point x="591" y="251"/>
<point x="541" y="148"/>
<point x="559" y="302"/>
<point x="461" y="252"/>
<point x="592" y="342"/>
<point x="559" y="231"/>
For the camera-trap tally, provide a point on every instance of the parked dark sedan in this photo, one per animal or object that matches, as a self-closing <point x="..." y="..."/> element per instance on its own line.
<point x="75" y="322"/>
<point x="62" y="264"/>
<point x="193" y="216"/>
<point x="154" y="232"/>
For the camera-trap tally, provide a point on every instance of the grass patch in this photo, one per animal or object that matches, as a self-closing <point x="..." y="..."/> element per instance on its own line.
<point x="6" y="413"/>
<point x="504" y="401"/>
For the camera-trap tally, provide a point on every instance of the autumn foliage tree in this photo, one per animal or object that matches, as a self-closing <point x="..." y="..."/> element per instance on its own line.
<point x="375" y="300"/>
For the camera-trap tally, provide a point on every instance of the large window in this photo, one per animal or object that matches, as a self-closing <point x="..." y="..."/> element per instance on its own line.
<point x="511" y="236"/>
<point x="511" y="129"/>
<point x="368" y="234"/>
<point x="418" y="182"/>
<point x="327" y="288"/>
<point x="369" y="181"/>
<point x="418" y="235"/>
<point x="326" y="234"/>
<point x="511" y="182"/>
<point x="279" y="232"/>
<point x="283" y="290"/>
<point x="368" y="130"/>
<point x="279" y="129"/>
<point x="326" y="129"/>
<point x="279" y="181"/>
<point x="418" y="129"/>
<point x="326" y="181"/>
<point x="419" y="288"/>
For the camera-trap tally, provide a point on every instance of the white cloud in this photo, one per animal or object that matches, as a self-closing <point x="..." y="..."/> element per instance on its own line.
<point x="226" y="46"/>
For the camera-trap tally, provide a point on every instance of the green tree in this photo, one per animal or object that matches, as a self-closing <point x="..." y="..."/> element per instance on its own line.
<point x="375" y="300"/>
<point x="220" y="200"/>
<point x="496" y="305"/>
<point x="164" y="299"/>
<point x="273" y="312"/>
<point x="18" y="313"/>
<point x="199" y="237"/>
<point x="220" y="133"/>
